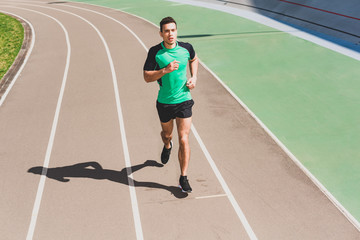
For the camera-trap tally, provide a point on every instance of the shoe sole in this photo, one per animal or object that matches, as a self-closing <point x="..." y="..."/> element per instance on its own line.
<point x="164" y="162"/>
<point x="184" y="190"/>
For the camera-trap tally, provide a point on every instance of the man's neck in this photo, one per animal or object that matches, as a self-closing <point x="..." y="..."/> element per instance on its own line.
<point x="170" y="46"/>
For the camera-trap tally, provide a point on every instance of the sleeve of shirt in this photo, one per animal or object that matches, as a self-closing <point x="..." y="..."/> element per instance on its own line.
<point x="191" y="51"/>
<point x="150" y="63"/>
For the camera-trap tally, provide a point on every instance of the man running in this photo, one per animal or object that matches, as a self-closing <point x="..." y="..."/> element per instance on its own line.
<point x="167" y="63"/>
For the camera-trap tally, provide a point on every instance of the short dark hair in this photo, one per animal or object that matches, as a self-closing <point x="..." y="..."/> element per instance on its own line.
<point x="166" y="20"/>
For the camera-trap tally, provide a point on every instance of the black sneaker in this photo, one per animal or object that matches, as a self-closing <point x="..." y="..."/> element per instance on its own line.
<point x="184" y="184"/>
<point x="165" y="155"/>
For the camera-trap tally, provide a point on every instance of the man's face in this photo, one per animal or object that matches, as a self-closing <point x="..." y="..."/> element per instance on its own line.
<point x="169" y="33"/>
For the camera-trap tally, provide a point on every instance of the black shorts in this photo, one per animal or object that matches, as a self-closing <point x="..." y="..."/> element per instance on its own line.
<point x="171" y="111"/>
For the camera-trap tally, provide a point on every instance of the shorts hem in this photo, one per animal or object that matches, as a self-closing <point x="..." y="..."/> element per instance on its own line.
<point x="168" y="112"/>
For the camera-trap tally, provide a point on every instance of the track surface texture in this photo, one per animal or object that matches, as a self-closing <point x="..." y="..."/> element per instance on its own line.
<point x="80" y="146"/>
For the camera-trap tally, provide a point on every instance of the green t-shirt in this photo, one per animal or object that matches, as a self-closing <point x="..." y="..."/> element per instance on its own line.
<point x="173" y="87"/>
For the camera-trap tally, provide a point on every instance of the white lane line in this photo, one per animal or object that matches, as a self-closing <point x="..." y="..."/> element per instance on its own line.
<point x="41" y="185"/>
<point x="212" y="196"/>
<point x="205" y="151"/>
<point x="135" y="208"/>
<point x="52" y="135"/>
<point x="25" y="59"/>
<point x="113" y="19"/>
<point x="230" y="196"/>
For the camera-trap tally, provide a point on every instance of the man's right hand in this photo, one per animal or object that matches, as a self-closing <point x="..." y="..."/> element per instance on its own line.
<point x="151" y="76"/>
<point x="174" y="65"/>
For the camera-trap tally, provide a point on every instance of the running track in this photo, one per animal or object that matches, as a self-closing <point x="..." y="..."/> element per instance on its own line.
<point x="81" y="103"/>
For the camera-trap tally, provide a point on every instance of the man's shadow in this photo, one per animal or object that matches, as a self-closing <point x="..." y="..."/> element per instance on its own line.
<point x="94" y="170"/>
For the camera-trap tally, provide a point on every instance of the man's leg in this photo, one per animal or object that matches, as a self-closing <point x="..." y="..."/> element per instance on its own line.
<point x="166" y="136"/>
<point x="166" y="133"/>
<point x="183" y="128"/>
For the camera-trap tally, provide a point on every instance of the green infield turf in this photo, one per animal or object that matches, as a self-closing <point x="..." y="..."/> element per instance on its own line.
<point x="11" y="38"/>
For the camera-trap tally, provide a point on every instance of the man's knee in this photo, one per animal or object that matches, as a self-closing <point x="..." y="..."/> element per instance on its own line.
<point x="184" y="140"/>
<point x="166" y="135"/>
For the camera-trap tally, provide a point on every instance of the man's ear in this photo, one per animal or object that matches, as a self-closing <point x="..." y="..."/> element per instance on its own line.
<point x="161" y="34"/>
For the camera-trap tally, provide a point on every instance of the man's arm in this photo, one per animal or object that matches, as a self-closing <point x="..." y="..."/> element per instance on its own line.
<point x="194" y="64"/>
<point x="152" y="76"/>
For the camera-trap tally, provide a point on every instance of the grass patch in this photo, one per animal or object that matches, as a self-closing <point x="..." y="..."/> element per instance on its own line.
<point x="11" y="38"/>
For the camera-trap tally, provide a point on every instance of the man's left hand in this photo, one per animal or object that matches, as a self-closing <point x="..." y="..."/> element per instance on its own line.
<point x="191" y="83"/>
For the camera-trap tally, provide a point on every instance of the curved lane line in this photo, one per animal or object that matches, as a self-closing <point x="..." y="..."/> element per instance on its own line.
<point x="113" y="19"/>
<point x="52" y="135"/>
<point x="135" y="208"/>
<point x="25" y="60"/>
<point x="41" y="185"/>
<point x="225" y="187"/>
